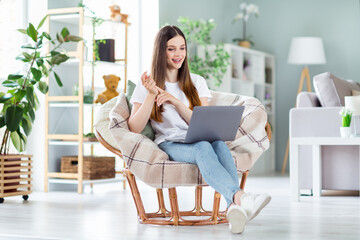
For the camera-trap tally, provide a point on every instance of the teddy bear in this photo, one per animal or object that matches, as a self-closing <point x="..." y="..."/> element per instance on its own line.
<point x="116" y="14"/>
<point x="111" y="83"/>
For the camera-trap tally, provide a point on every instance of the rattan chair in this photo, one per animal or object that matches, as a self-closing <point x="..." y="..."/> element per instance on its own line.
<point x="174" y="217"/>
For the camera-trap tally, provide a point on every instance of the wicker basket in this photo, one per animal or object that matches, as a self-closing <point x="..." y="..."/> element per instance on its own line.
<point x="93" y="168"/>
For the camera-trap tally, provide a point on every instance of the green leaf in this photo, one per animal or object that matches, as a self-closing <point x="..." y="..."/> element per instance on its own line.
<point x="31" y="31"/>
<point x="73" y="38"/>
<point x="20" y="57"/>
<point x="14" y="76"/>
<point x="36" y="73"/>
<point x="22" y="137"/>
<point x="26" y="125"/>
<point x="18" y="141"/>
<point x="37" y="102"/>
<point x="58" y="81"/>
<point x="21" y="82"/>
<point x="13" y="117"/>
<point x="59" y="38"/>
<point x="39" y="62"/>
<point x="43" y="87"/>
<point x="2" y="121"/>
<point x="30" y="95"/>
<point x="53" y="53"/>
<point x="19" y="95"/>
<point x="58" y="59"/>
<point x="46" y="35"/>
<point x="10" y="83"/>
<point x="42" y="22"/>
<point x="22" y="31"/>
<point x="31" y="112"/>
<point x="28" y="46"/>
<point x="45" y="70"/>
<point x="5" y="97"/>
<point x="65" y="32"/>
<point x="27" y="56"/>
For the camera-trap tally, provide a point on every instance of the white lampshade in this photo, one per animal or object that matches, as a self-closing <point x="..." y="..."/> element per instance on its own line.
<point x="353" y="104"/>
<point x="306" y="51"/>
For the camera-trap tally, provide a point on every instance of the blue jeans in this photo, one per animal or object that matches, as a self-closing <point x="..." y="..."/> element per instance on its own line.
<point x="214" y="161"/>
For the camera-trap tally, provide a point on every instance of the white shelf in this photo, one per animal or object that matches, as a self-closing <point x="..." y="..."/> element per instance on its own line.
<point x="69" y="143"/>
<point x="75" y="62"/>
<point x="73" y="19"/>
<point x="62" y="105"/>
<point x="86" y="182"/>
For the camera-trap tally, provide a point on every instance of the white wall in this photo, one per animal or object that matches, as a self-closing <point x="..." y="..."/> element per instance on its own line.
<point x="36" y="140"/>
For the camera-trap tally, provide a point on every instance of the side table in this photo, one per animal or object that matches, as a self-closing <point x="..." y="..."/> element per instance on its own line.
<point x="316" y="143"/>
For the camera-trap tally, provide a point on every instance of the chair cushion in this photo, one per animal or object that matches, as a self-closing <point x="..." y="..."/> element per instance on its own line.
<point x="331" y="90"/>
<point x="151" y="165"/>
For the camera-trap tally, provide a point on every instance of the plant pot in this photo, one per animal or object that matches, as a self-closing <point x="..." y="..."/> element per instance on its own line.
<point x="15" y="172"/>
<point x="345" y="132"/>
<point x="245" y="44"/>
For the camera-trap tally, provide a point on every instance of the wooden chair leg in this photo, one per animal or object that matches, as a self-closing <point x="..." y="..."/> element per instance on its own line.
<point x="243" y="179"/>
<point x="136" y="195"/>
<point x="198" y="200"/>
<point x="175" y="215"/>
<point x="216" y="207"/>
<point x="161" y="201"/>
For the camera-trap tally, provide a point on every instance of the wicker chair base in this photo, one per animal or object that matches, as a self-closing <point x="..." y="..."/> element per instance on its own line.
<point x="175" y="216"/>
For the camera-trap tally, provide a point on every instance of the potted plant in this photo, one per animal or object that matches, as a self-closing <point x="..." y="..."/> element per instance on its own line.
<point x="20" y="101"/>
<point x="243" y="15"/>
<point x="214" y="63"/>
<point x="345" y="129"/>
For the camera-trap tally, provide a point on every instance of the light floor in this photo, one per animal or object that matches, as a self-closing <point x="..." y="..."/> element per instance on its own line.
<point x="109" y="213"/>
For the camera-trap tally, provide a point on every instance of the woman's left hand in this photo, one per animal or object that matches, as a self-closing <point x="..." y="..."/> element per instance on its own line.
<point x="164" y="97"/>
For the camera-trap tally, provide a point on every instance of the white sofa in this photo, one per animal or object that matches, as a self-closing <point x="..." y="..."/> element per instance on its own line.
<point x="317" y="115"/>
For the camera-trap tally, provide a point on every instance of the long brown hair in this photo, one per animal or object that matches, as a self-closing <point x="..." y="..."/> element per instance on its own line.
<point x="158" y="70"/>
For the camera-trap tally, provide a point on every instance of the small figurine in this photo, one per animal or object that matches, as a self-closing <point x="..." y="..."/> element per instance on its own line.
<point x="116" y="14"/>
<point x="111" y="84"/>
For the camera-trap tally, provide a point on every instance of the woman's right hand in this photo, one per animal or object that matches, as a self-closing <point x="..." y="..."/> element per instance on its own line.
<point x="149" y="84"/>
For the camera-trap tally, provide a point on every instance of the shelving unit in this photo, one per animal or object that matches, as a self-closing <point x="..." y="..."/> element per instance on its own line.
<point x="252" y="73"/>
<point x="67" y="117"/>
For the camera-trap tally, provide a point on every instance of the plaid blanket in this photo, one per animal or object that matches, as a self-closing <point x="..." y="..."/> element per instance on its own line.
<point x="151" y="165"/>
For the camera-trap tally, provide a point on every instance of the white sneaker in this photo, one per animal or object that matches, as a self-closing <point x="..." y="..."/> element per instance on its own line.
<point x="254" y="203"/>
<point x="236" y="216"/>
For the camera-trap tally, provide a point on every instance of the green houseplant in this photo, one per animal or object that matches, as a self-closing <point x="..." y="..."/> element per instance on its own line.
<point x="345" y="129"/>
<point x="214" y="63"/>
<point x="20" y="101"/>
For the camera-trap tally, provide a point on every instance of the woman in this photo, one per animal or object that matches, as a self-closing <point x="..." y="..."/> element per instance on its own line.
<point x="167" y="97"/>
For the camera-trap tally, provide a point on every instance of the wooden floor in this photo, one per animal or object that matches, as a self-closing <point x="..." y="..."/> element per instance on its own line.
<point x="109" y="213"/>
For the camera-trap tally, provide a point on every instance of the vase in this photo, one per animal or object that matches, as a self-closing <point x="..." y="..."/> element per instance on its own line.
<point x="245" y="44"/>
<point x="345" y="132"/>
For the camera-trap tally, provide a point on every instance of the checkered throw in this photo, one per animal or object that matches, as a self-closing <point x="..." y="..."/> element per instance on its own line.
<point x="151" y="165"/>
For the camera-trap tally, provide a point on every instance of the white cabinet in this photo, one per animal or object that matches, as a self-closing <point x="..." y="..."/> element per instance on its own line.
<point x="252" y="73"/>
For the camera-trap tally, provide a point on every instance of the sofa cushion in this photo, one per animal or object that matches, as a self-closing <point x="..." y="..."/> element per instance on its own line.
<point x="148" y="130"/>
<point x="331" y="90"/>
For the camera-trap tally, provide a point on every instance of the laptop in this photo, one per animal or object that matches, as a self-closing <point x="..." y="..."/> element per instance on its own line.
<point x="213" y="123"/>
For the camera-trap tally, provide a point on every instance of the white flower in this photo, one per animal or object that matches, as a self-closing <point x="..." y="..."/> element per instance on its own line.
<point x="246" y="17"/>
<point x="252" y="8"/>
<point x="239" y="16"/>
<point x="243" y="6"/>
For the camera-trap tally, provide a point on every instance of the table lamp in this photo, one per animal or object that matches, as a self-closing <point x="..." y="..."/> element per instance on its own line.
<point x="353" y="104"/>
<point x="304" y="51"/>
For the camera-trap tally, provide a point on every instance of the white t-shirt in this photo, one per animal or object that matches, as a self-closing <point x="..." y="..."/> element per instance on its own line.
<point x="173" y="127"/>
